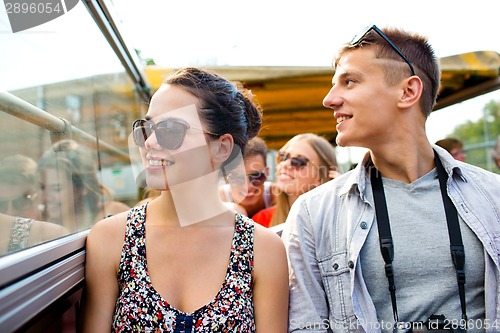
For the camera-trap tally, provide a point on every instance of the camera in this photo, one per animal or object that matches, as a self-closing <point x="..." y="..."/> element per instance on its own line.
<point x="435" y="324"/>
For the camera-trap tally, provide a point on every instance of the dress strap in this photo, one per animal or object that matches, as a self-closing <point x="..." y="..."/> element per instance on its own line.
<point x="20" y="233"/>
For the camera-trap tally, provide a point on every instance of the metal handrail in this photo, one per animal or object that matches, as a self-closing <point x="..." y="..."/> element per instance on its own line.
<point x="104" y="20"/>
<point x="21" y="109"/>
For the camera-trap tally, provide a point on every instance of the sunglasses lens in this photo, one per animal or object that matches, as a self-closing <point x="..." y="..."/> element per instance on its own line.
<point x="170" y="134"/>
<point x="282" y="157"/>
<point x="298" y="162"/>
<point x="257" y="178"/>
<point x="361" y="35"/>
<point x="141" y="132"/>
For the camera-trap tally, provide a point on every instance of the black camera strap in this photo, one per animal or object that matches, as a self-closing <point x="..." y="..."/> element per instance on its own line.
<point x="387" y="245"/>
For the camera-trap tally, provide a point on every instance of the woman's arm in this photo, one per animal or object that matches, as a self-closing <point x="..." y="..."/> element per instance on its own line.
<point x="270" y="282"/>
<point x="103" y="251"/>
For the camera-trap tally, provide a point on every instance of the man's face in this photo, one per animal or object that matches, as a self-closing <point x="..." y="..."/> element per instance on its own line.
<point x="253" y="165"/>
<point x="365" y="106"/>
<point x="458" y="154"/>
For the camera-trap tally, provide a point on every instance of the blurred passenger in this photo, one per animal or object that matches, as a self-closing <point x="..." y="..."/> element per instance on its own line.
<point x="19" y="207"/>
<point x="148" y="195"/>
<point x="258" y="192"/>
<point x="72" y="194"/>
<point x="303" y="163"/>
<point x="205" y="268"/>
<point x="454" y="147"/>
<point x="19" y="187"/>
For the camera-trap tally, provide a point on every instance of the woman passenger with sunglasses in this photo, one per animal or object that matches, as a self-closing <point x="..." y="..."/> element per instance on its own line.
<point x="306" y="161"/>
<point x="19" y="206"/>
<point x="184" y="262"/>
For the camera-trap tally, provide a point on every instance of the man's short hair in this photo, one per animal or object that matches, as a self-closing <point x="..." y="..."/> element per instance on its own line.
<point x="256" y="146"/>
<point x="418" y="51"/>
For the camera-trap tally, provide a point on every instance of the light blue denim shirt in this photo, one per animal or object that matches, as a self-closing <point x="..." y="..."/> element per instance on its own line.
<point x="327" y="227"/>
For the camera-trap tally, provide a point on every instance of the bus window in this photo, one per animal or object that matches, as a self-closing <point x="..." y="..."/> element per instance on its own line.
<point x="63" y="146"/>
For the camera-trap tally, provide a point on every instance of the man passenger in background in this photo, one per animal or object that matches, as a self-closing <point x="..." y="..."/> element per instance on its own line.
<point x="392" y="214"/>
<point x="453" y="146"/>
<point x="259" y="193"/>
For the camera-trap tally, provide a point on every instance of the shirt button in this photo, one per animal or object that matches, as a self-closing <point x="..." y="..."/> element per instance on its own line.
<point x="363" y="225"/>
<point x="335" y="266"/>
<point x="350" y="264"/>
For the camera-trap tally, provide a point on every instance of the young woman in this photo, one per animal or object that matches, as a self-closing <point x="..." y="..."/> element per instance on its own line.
<point x="306" y="161"/>
<point x="72" y="194"/>
<point x="184" y="262"/>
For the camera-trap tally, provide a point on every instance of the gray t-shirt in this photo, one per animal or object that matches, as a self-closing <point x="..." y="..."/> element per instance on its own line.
<point x="424" y="274"/>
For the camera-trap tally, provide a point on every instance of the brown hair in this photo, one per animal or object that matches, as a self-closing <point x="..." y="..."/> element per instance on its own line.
<point x="256" y="146"/>
<point x="449" y="144"/>
<point x="226" y="107"/>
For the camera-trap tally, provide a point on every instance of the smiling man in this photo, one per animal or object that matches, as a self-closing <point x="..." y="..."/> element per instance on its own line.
<point x="257" y="193"/>
<point x="367" y="246"/>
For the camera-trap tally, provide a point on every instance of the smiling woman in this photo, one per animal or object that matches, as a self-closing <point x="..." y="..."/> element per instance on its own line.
<point x="303" y="163"/>
<point x="196" y="126"/>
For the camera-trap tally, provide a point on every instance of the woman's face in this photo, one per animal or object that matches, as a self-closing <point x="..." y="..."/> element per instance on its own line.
<point x="294" y="180"/>
<point x="57" y="196"/>
<point x="167" y="166"/>
<point x="20" y="200"/>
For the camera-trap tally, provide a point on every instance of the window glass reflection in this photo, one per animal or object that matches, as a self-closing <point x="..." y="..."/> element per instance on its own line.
<point x="53" y="184"/>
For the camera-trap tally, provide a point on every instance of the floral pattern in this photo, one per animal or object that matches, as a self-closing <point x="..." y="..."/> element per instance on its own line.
<point x="140" y="308"/>
<point x="20" y="234"/>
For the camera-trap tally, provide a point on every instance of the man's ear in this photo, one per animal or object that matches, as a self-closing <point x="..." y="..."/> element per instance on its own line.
<point x="222" y="147"/>
<point x="411" y="93"/>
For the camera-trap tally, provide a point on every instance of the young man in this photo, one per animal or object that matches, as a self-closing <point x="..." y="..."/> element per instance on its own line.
<point x="258" y="193"/>
<point x="389" y="215"/>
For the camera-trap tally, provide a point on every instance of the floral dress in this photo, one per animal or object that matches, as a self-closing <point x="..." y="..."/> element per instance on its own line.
<point x="140" y="308"/>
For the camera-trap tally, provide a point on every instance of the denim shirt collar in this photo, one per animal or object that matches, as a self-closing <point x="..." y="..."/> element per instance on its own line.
<point x="357" y="179"/>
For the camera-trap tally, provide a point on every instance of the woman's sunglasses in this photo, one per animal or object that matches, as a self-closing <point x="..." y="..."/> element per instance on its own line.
<point x="297" y="161"/>
<point x="257" y="178"/>
<point x="169" y="133"/>
<point x="21" y="203"/>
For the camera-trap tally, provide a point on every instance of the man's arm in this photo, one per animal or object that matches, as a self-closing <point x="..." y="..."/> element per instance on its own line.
<point x="308" y="309"/>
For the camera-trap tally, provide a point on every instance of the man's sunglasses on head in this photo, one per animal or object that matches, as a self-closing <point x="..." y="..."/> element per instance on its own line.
<point x="359" y="38"/>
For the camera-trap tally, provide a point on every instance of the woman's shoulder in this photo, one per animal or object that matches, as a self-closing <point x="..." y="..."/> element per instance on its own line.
<point x="110" y="227"/>
<point x="269" y="251"/>
<point x="115" y="207"/>
<point x="106" y="238"/>
<point x="266" y="239"/>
